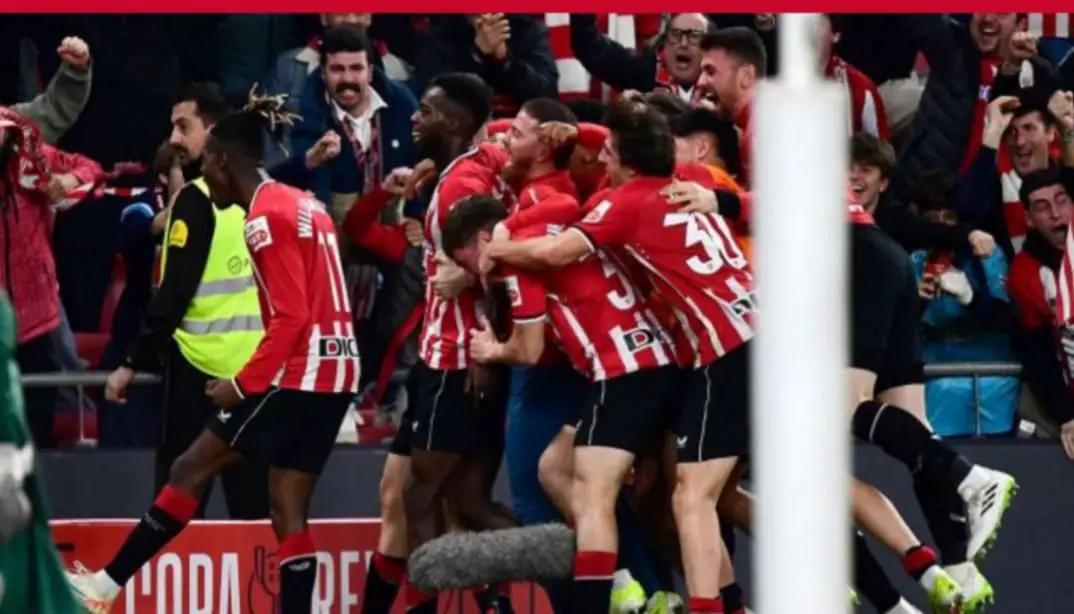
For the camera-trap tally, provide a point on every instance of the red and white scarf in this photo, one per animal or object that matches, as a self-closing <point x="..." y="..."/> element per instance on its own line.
<point x="575" y="83"/>
<point x="1064" y="295"/>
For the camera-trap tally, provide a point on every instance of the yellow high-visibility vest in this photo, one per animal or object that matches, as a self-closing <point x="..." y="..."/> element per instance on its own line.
<point x="222" y="326"/>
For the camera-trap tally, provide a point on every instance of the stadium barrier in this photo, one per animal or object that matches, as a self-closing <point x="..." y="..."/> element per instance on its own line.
<point x="1030" y="566"/>
<point x="975" y="370"/>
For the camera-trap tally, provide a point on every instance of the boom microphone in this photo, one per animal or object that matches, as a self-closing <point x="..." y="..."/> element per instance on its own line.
<point x="463" y="560"/>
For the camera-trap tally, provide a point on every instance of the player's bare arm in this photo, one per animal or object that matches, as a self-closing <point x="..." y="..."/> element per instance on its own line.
<point x="542" y="252"/>
<point x="450" y="279"/>
<point x="523" y="348"/>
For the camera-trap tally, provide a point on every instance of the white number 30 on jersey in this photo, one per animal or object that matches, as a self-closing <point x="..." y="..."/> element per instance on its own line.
<point x="712" y="234"/>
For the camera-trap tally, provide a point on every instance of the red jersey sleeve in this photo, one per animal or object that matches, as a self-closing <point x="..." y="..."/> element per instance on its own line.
<point x="544" y="206"/>
<point x="609" y="223"/>
<point x="383" y="241"/>
<point x="272" y="238"/>
<point x="528" y="299"/>
<point x="364" y="213"/>
<point x="451" y="190"/>
<point x="1027" y="293"/>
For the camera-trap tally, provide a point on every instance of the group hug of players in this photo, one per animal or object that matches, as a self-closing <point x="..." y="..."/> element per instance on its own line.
<point x="585" y="283"/>
<point x="635" y="279"/>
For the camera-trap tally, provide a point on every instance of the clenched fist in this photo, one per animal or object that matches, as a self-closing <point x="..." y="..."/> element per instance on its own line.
<point x="74" y="52"/>
<point x="326" y="148"/>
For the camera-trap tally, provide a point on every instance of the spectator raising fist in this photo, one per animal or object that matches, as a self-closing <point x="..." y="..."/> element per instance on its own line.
<point x="74" y="52"/>
<point x="998" y="117"/>
<point x="1061" y="105"/>
<point x="326" y="148"/>
<point x="493" y="32"/>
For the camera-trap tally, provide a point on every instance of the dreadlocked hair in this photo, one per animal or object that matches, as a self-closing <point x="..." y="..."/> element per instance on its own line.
<point x="244" y="131"/>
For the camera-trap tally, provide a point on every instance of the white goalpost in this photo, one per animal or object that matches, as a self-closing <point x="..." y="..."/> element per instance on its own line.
<point x="801" y="440"/>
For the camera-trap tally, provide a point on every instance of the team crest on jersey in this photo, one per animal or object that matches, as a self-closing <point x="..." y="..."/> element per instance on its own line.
<point x="258" y="235"/>
<point x="513" y="291"/>
<point x="638" y="339"/>
<point x="597" y="213"/>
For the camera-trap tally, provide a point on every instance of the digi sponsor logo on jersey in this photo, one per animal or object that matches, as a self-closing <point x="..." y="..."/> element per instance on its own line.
<point x="258" y="235"/>
<point x="638" y="339"/>
<point x="337" y="347"/>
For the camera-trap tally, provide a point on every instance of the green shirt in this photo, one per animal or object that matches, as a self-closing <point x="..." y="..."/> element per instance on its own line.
<point x="34" y="580"/>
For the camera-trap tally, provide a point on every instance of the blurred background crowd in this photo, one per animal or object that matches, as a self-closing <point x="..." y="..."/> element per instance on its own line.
<point x="962" y="132"/>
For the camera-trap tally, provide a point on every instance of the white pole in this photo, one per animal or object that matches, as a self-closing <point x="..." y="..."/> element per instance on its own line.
<point x="800" y="419"/>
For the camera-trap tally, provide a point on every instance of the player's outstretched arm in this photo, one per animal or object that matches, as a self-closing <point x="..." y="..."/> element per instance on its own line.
<point x="541" y="253"/>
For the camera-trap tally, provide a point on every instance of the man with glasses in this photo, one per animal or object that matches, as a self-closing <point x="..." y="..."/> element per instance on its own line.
<point x="672" y="63"/>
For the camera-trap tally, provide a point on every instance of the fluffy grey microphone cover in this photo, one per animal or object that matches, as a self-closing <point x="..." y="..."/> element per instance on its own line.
<point x="464" y="560"/>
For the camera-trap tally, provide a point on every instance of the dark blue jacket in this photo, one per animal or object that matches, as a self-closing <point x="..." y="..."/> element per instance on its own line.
<point x="342" y="175"/>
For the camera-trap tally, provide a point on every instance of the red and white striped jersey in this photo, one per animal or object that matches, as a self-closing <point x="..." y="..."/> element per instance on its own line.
<point x="631" y="31"/>
<point x="444" y="340"/>
<point x="692" y="260"/>
<point x="309" y="339"/>
<point x="602" y="322"/>
<point x="1050" y="25"/>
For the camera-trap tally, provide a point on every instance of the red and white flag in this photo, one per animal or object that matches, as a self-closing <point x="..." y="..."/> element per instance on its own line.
<point x="1064" y="300"/>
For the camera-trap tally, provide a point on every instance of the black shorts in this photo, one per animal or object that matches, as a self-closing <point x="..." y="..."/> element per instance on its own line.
<point x="447" y="417"/>
<point x="291" y="429"/>
<point x="404" y="437"/>
<point x="884" y="310"/>
<point x="714" y="421"/>
<point x="628" y="411"/>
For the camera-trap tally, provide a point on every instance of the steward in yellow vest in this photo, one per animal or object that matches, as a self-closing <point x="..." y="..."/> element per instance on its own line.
<point x="203" y="323"/>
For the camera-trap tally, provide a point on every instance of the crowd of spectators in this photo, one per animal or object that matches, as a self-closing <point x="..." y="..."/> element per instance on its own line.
<point x="962" y="138"/>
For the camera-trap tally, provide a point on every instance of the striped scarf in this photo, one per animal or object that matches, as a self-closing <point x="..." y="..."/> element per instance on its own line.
<point x="575" y="83"/>
<point x="1064" y="301"/>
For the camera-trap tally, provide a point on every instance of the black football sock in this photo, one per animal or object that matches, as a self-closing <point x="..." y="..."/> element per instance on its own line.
<point x="945" y="513"/>
<point x="870" y="579"/>
<point x="593" y="572"/>
<point x="169" y="515"/>
<point x="298" y="573"/>
<point x="733" y="600"/>
<point x="902" y="436"/>
<point x="386" y="575"/>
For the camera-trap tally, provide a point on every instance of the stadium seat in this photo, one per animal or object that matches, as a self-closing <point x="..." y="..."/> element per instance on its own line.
<point x="91" y="346"/>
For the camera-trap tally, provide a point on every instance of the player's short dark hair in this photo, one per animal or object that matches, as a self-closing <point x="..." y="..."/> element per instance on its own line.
<point x="1031" y="182"/>
<point x="742" y="44"/>
<point x="870" y="150"/>
<point x="548" y="110"/>
<point x="704" y="121"/>
<point x="666" y="103"/>
<point x="468" y="217"/>
<point x="935" y="190"/>
<point x="642" y="137"/>
<point x="468" y="91"/>
<point x="207" y="98"/>
<point x="345" y="38"/>
<point x="242" y="133"/>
